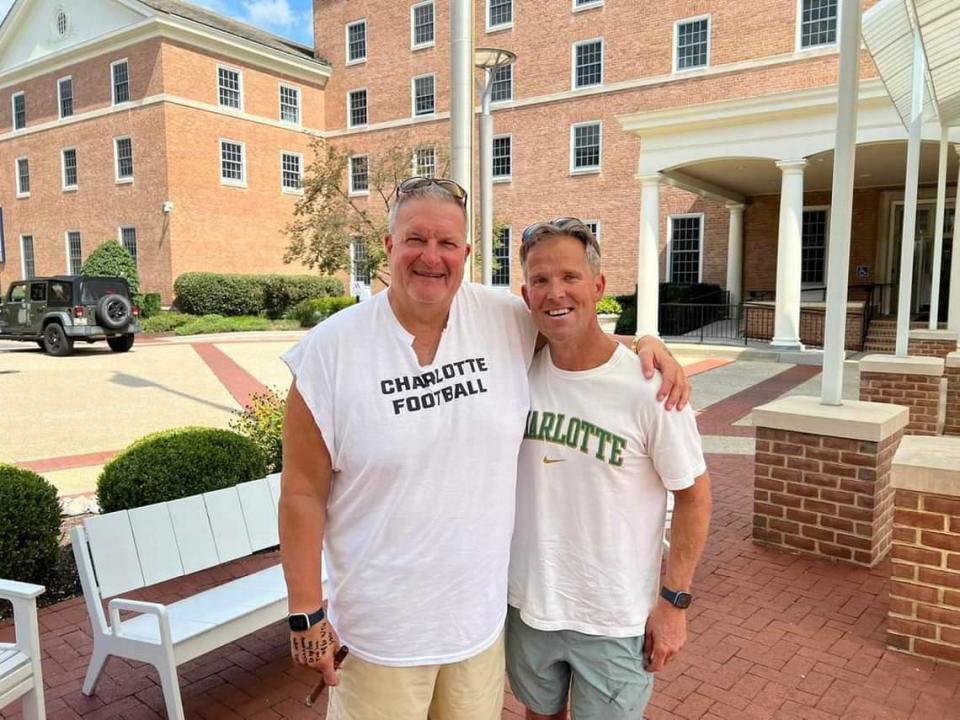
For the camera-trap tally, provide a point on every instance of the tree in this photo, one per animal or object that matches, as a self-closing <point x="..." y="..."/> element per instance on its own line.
<point x="327" y="220"/>
<point x="112" y="259"/>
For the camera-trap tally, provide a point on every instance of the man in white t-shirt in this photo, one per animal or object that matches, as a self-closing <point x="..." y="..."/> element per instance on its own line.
<point x="589" y="619"/>
<point x="400" y="446"/>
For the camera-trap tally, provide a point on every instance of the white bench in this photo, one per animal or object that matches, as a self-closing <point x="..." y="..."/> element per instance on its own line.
<point x="132" y="549"/>
<point x="20" y="674"/>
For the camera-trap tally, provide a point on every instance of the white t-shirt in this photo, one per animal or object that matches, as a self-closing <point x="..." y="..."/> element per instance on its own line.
<point x="598" y="456"/>
<point x="420" y="513"/>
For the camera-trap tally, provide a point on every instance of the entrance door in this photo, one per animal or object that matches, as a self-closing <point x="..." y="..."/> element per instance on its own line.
<point x="923" y="242"/>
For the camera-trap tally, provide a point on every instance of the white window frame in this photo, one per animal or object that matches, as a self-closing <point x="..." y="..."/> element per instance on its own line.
<point x="16" y="176"/>
<point x="590" y="170"/>
<point x="676" y="42"/>
<point x="502" y="178"/>
<point x="60" y="114"/>
<point x="415" y="160"/>
<point x="511" y="98"/>
<point x="346" y="42"/>
<point x="116" y="161"/>
<point x="703" y="228"/>
<point x="354" y="283"/>
<point x="230" y="182"/>
<point x="113" y="85"/>
<point x="573" y="63"/>
<point x="13" y="111"/>
<point x="350" y="190"/>
<point x="280" y="88"/>
<point x="239" y="72"/>
<point x="596" y="235"/>
<point x="66" y="242"/>
<point x="413" y="95"/>
<point x="586" y="6"/>
<point x="350" y="107"/>
<point x="120" y="229"/>
<point x="509" y="229"/>
<point x="826" y="246"/>
<point x="284" y="188"/>
<point x="63" y="169"/>
<point x="798" y="34"/>
<point x="23" y="259"/>
<point x="413" y="29"/>
<point x="497" y="28"/>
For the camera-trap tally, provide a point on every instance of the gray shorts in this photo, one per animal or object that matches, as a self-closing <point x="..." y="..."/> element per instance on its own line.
<point x="603" y="676"/>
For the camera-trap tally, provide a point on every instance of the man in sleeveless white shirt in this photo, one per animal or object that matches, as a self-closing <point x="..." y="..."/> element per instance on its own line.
<point x="401" y="437"/>
<point x="587" y="609"/>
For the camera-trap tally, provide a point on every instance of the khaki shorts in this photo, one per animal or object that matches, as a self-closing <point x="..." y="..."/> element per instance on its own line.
<point x="471" y="689"/>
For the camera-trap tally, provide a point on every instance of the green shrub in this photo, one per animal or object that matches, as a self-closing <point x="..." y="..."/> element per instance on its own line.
<point x="309" y="312"/>
<point x="235" y="295"/>
<point x="207" y="324"/>
<point x="165" y="322"/>
<point x="29" y="525"/>
<point x="262" y="422"/>
<point x="111" y="258"/>
<point x="608" y="305"/>
<point x="172" y="464"/>
<point x="150" y="305"/>
<point x="282" y="292"/>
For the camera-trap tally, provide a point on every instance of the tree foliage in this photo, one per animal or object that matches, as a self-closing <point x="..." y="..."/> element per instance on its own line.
<point x="327" y="219"/>
<point x="112" y="259"/>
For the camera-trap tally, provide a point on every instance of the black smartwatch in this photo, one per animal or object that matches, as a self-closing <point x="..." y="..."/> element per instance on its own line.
<point x="680" y="600"/>
<point x="301" y="622"/>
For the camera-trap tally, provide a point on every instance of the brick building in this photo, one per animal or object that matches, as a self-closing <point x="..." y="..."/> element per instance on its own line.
<point x="176" y="131"/>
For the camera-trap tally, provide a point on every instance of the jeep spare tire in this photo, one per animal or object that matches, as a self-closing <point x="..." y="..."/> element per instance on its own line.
<point x="114" y="312"/>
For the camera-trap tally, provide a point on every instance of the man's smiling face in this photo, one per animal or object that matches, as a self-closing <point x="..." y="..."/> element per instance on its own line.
<point x="427" y="250"/>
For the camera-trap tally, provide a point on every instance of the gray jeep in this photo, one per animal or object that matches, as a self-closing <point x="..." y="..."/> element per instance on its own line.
<point x="55" y="311"/>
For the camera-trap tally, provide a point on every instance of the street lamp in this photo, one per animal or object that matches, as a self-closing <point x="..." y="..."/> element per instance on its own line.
<point x="489" y="60"/>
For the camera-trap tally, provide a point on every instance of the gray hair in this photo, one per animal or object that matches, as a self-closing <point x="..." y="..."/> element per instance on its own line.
<point x="546" y="231"/>
<point x="420" y="193"/>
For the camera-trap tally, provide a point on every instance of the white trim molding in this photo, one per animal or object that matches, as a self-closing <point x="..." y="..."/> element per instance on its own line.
<point x="589" y="5"/>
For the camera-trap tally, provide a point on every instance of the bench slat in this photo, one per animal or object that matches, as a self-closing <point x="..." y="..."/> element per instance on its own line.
<point x="156" y="543"/>
<point x="260" y="516"/>
<point x="191" y="526"/>
<point x="114" y="553"/>
<point x="226" y="521"/>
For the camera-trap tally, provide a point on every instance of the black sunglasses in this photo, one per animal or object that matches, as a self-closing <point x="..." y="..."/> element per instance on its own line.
<point x="417" y="183"/>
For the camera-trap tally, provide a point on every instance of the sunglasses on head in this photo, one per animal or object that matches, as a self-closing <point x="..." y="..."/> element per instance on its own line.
<point x="418" y="183"/>
<point x="563" y="224"/>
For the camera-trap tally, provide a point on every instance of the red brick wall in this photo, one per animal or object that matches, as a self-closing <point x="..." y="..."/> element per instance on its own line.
<point x="951" y="424"/>
<point x="921" y="393"/>
<point x="925" y="589"/>
<point x="931" y="348"/>
<point x="759" y="325"/>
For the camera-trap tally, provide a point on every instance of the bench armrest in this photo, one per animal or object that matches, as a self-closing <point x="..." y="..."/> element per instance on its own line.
<point x="13" y="590"/>
<point x="139" y="606"/>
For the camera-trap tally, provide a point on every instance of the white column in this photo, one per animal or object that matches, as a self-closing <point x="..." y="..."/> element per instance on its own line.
<point x="910" y="201"/>
<point x="648" y="257"/>
<point x="461" y="103"/>
<point x="486" y="181"/>
<point x="841" y="206"/>
<point x="735" y="252"/>
<point x="938" y="231"/>
<point x="786" y="330"/>
<point x="953" y="311"/>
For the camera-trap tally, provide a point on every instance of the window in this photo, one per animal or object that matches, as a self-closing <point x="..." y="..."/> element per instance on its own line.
<point x="65" y="96"/>
<point x="123" y="149"/>
<point x="501" y="258"/>
<point x="585" y="154"/>
<point x="290" y="104"/>
<point x="499" y="14"/>
<point x="818" y="23"/>
<point x="19" y="102"/>
<point x="62" y="23"/>
<point x="74" y="253"/>
<point x="594" y="226"/>
<point x="230" y="88"/>
<point x="121" y="81"/>
<point x="128" y="238"/>
<point x="23" y="177"/>
<point x="359" y="175"/>
<point x="684" y="250"/>
<point x="692" y="43"/>
<point x="232" y="163"/>
<point x="69" y="161"/>
<point x="360" y="263"/>
<point x="422" y="29"/>
<point x="18" y="293"/>
<point x="588" y="63"/>
<point x="26" y="257"/>
<point x="425" y="162"/>
<point x="584" y="4"/>
<point x="356" y="42"/>
<point x="813" y="240"/>
<point x="424" y="99"/>
<point x="291" y="171"/>
<point x="357" y="108"/>
<point x="502" y="157"/>
<point x="501" y="87"/>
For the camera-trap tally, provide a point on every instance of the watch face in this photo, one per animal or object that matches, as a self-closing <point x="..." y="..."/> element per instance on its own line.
<point x="299" y="622"/>
<point x="683" y="600"/>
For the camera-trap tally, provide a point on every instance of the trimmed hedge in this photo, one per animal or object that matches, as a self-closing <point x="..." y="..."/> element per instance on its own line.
<point x="111" y="259"/>
<point x="200" y="293"/>
<point x="309" y="312"/>
<point x="172" y="464"/>
<point x="150" y="305"/>
<point x="29" y="525"/>
<point x="697" y="293"/>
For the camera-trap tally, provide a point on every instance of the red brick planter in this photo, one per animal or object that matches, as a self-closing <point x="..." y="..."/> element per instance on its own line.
<point x="912" y="382"/>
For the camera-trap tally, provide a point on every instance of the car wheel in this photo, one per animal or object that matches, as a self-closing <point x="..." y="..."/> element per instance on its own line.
<point x="114" y="312"/>
<point x="55" y="340"/>
<point x="121" y="343"/>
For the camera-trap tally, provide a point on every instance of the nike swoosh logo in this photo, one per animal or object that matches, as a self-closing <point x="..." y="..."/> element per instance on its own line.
<point x="548" y="461"/>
